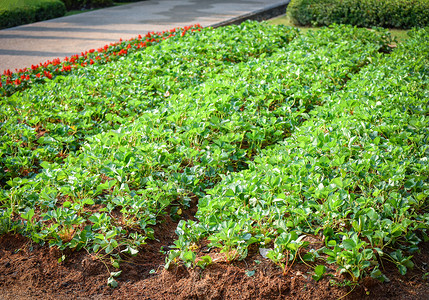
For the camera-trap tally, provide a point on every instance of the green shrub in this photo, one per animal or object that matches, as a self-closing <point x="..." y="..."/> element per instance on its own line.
<point x="25" y="12"/>
<point x="362" y="13"/>
<point x="74" y="4"/>
<point x="79" y="4"/>
<point x="101" y="3"/>
<point x="121" y="1"/>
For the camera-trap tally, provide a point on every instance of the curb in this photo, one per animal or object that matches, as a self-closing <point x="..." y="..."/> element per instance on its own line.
<point x="258" y="15"/>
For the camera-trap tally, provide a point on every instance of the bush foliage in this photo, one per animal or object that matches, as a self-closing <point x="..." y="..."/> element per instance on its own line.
<point x="122" y="1"/>
<point x="32" y="11"/>
<point x="362" y="13"/>
<point x="79" y="4"/>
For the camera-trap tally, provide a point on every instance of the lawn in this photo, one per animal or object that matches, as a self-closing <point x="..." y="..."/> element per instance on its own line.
<point x="10" y="4"/>
<point x="305" y="149"/>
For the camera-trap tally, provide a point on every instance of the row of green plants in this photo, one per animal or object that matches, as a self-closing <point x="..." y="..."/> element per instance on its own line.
<point x="85" y="165"/>
<point x="15" y="13"/>
<point x="11" y="82"/>
<point x="349" y="187"/>
<point x="363" y="13"/>
<point x="96" y="158"/>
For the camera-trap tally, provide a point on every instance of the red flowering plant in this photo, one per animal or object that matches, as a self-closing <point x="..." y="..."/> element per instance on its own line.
<point x="11" y="82"/>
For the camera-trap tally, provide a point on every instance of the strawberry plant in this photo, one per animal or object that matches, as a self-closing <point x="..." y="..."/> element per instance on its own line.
<point x="278" y="135"/>
<point x="344" y="172"/>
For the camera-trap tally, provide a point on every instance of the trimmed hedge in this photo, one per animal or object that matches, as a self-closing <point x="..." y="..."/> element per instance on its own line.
<point x="121" y="1"/>
<point x="363" y="13"/>
<point x="79" y="4"/>
<point x="34" y="11"/>
<point x="86" y="4"/>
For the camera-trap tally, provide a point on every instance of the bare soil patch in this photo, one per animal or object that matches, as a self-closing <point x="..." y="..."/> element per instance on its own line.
<point x="28" y="270"/>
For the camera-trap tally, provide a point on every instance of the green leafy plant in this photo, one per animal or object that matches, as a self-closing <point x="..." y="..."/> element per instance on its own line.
<point x="279" y="138"/>
<point x="319" y="271"/>
<point x="286" y="248"/>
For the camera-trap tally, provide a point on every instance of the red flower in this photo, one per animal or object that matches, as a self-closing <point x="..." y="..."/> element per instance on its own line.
<point x="47" y="74"/>
<point x="120" y="48"/>
<point x="66" y="68"/>
<point x="123" y="52"/>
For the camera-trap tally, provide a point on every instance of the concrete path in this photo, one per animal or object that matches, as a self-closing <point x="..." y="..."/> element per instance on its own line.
<point x="25" y="45"/>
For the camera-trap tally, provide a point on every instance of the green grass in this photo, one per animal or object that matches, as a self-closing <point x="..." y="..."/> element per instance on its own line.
<point x="399" y="34"/>
<point x="285" y="20"/>
<point x="8" y="4"/>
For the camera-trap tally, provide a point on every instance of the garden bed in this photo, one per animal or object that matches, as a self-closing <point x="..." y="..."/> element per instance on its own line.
<point x="249" y="160"/>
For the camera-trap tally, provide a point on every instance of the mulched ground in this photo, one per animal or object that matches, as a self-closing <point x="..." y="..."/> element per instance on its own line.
<point x="31" y="271"/>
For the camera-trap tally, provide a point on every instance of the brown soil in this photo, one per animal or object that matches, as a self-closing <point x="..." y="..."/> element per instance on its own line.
<point x="31" y="271"/>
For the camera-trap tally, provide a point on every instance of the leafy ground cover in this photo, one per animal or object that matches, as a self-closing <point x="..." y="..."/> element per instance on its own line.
<point x="354" y="177"/>
<point x="279" y="142"/>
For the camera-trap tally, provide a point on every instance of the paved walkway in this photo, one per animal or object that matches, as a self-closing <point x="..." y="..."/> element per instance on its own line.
<point x="30" y="44"/>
